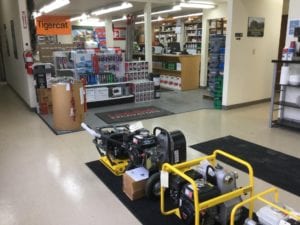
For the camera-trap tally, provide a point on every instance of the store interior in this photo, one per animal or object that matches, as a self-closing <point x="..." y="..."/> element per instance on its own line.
<point x="150" y="112"/>
<point x="183" y="43"/>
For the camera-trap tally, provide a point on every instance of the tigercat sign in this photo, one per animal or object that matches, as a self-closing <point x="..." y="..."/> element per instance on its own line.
<point x="53" y="25"/>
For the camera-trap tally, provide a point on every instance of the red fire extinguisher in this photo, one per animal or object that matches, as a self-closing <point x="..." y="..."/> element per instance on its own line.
<point x="28" y="59"/>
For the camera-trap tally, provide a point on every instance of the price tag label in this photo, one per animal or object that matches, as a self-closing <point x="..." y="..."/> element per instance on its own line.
<point x="164" y="179"/>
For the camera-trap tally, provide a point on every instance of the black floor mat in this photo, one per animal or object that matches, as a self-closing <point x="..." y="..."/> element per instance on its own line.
<point x="132" y="114"/>
<point x="274" y="167"/>
<point x="145" y="210"/>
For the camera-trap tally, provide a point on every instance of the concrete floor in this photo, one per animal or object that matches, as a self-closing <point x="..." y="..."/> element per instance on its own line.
<point x="173" y="101"/>
<point x="44" y="180"/>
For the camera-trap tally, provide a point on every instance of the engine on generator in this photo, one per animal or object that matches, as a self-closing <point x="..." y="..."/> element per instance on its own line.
<point x="268" y="215"/>
<point x="113" y="141"/>
<point x="152" y="150"/>
<point x="211" y="182"/>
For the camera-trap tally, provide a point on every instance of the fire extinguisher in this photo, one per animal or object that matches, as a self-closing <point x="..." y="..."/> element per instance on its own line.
<point x="28" y="59"/>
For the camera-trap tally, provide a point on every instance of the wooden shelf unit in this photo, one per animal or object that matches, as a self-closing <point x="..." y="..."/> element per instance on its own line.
<point x="190" y="69"/>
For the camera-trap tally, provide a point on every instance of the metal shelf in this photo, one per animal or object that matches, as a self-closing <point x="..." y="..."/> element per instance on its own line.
<point x="281" y="118"/>
<point x="287" y="104"/>
<point x="287" y="123"/>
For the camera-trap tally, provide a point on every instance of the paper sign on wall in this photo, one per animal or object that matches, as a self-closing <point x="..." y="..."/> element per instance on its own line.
<point x="53" y="25"/>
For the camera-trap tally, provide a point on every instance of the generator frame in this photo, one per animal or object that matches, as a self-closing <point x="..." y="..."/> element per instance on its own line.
<point x="178" y="169"/>
<point x="116" y="166"/>
<point x="261" y="197"/>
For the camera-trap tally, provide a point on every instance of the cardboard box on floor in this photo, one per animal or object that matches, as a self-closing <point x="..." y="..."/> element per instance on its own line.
<point x="134" y="182"/>
<point x="44" y="99"/>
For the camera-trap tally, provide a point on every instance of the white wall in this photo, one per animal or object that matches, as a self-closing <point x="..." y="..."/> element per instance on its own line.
<point x="248" y="68"/>
<point x="208" y="14"/>
<point x="15" y="71"/>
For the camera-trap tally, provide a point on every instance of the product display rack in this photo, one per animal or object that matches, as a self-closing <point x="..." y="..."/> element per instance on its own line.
<point x="287" y="100"/>
<point x="137" y="73"/>
<point x="216" y="55"/>
<point x="193" y="36"/>
<point x="108" y="77"/>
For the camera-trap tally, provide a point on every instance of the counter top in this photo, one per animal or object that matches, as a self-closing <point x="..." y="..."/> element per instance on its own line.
<point x="167" y="55"/>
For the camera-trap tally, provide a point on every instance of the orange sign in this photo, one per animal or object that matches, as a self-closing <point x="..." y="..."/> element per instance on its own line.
<point x="53" y="25"/>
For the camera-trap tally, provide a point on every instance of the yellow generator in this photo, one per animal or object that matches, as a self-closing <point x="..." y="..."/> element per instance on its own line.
<point x="202" y="192"/>
<point x="270" y="214"/>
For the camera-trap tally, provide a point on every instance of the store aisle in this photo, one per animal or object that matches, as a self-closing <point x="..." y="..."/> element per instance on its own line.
<point x="44" y="179"/>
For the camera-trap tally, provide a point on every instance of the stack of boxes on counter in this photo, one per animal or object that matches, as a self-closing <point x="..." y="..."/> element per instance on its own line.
<point x="216" y="68"/>
<point x="166" y="80"/>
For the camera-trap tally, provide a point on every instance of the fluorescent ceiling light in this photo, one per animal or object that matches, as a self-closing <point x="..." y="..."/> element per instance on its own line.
<point x="124" y="5"/>
<point x="197" y="5"/>
<point x="158" y="19"/>
<point x="92" y="22"/>
<point x="36" y="14"/>
<point x="82" y="17"/>
<point x="120" y="19"/>
<point x="175" y="8"/>
<point x="54" y="5"/>
<point x="201" y="2"/>
<point x="188" y="15"/>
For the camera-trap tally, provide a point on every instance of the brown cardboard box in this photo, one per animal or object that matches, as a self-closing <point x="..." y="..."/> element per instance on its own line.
<point x="132" y="188"/>
<point x="68" y="105"/>
<point x="44" y="99"/>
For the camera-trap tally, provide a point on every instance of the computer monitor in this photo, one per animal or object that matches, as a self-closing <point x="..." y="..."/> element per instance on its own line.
<point x="174" y="47"/>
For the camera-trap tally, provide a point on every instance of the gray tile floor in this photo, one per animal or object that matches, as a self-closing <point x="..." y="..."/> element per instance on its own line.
<point x="44" y="180"/>
<point x="173" y="101"/>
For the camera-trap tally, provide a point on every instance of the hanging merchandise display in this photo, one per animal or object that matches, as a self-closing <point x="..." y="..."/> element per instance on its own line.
<point x="68" y="104"/>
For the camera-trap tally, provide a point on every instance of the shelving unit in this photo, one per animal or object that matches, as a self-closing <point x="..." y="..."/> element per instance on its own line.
<point x="285" y="106"/>
<point x="216" y="54"/>
<point x="108" y="78"/>
<point x="184" y="76"/>
<point x="193" y="37"/>
<point x="166" y="33"/>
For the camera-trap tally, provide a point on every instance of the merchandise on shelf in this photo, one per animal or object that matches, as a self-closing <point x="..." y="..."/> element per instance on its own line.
<point x="170" y="82"/>
<point x="143" y="91"/>
<point x="193" y="37"/>
<point x="136" y="70"/>
<point x="91" y="65"/>
<point x="216" y="57"/>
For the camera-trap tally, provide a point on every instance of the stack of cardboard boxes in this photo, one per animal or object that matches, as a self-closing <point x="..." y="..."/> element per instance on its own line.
<point x="134" y="182"/>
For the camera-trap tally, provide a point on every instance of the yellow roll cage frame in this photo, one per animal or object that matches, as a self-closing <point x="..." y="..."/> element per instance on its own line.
<point x="179" y="169"/>
<point x="260" y="197"/>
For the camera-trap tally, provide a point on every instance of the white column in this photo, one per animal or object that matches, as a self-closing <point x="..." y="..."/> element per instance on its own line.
<point x="109" y="32"/>
<point x="148" y="34"/>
